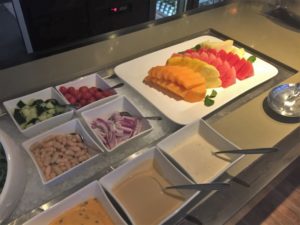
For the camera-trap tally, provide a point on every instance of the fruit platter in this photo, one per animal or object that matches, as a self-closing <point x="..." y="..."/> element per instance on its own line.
<point x="192" y="79"/>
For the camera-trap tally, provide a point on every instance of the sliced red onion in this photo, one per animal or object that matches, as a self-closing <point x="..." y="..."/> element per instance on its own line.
<point x="116" y="129"/>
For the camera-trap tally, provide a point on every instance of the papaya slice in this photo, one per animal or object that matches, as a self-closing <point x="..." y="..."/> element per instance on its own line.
<point x="209" y="72"/>
<point x="180" y="81"/>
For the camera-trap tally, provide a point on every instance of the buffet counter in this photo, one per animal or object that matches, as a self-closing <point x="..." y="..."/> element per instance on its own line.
<point x="243" y="121"/>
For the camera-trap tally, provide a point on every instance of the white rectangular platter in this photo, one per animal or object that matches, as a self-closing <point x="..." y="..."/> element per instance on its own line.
<point x="134" y="71"/>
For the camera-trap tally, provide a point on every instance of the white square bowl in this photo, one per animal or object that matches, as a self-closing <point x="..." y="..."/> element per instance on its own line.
<point x="73" y="126"/>
<point x="39" y="127"/>
<point x="104" y="111"/>
<point x="92" y="190"/>
<point x="191" y="148"/>
<point x="147" y="196"/>
<point x="92" y="80"/>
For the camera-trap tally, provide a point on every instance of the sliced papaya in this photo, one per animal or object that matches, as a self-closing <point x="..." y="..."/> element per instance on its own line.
<point x="209" y="72"/>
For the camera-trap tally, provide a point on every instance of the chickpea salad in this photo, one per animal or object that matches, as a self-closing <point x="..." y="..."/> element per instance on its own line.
<point x="58" y="153"/>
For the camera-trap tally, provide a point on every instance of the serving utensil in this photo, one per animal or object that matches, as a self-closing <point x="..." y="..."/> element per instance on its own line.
<point x="141" y="117"/>
<point x="247" y="151"/>
<point x="201" y="187"/>
<point x="115" y="86"/>
<point x="93" y="151"/>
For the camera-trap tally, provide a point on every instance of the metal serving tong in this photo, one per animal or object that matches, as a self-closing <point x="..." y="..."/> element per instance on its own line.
<point x="247" y="151"/>
<point x="201" y="187"/>
<point x="142" y="117"/>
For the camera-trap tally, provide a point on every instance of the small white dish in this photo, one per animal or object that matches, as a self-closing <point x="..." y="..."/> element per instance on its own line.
<point x="149" y="193"/>
<point x="92" y="190"/>
<point x="192" y="146"/>
<point x="92" y="80"/>
<point x="73" y="126"/>
<point x="120" y="104"/>
<point x="48" y="93"/>
<point x="15" y="178"/>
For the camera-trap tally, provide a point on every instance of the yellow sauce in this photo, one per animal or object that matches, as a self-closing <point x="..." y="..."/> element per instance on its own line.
<point x="143" y="195"/>
<point x="90" y="212"/>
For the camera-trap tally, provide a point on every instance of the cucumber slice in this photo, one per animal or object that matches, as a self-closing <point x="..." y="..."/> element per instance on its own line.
<point x="19" y="117"/>
<point x="21" y="104"/>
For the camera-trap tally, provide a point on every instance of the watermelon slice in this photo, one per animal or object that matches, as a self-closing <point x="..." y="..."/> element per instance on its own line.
<point x="245" y="71"/>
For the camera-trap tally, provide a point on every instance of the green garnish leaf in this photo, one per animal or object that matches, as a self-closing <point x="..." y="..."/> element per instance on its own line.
<point x="213" y="94"/>
<point x="197" y="47"/>
<point x="251" y="59"/>
<point x="208" y="101"/>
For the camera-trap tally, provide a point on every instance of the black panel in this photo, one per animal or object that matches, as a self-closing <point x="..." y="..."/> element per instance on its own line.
<point x="51" y="23"/>
<point x="112" y="15"/>
<point x="55" y="23"/>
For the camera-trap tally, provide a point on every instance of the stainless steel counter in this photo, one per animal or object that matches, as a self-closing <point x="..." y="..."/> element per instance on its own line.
<point x="243" y="121"/>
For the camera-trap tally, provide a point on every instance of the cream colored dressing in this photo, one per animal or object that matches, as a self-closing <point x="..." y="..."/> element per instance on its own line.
<point x="143" y="196"/>
<point x="195" y="156"/>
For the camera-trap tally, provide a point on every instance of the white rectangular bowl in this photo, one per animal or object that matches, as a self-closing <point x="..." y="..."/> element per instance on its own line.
<point x="92" y="190"/>
<point x="73" y="126"/>
<point x="191" y="147"/>
<point x="105" y="111"/>
<point x="44" y="94"/>
<point x="167" y="170"/>
<point x="92" y="80"/>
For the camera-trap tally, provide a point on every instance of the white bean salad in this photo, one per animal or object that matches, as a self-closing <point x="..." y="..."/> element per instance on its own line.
<point x="59" y="153"/>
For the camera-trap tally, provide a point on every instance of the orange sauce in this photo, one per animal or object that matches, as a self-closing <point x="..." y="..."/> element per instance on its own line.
<point x="90" y="212"/>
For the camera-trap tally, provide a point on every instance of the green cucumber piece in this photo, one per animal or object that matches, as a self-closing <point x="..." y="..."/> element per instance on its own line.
<point x="19" y="117"/>
<point x="21" y="104"/>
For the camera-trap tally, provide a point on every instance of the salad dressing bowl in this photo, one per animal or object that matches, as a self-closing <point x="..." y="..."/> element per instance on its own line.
<point x="138" y="186"/>
<point x="92" y="190"/>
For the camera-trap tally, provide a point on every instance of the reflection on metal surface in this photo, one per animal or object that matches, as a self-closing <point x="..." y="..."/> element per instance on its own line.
<point x="284" y="18"/>
<point x="285" y="100"/>
<point x="45" y="206"/>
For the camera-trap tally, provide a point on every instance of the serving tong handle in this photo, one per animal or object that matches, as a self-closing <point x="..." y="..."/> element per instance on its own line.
<point x="201" y="187"/>
<point x="124" y="113"/>
<point x="247" y="151"/>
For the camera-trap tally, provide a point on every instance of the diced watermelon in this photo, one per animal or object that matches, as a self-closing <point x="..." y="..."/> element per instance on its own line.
<point x="229" y="65"/>
<point x="245" y="71"/>
<point x="239" y="65"/>
<point x="204" y="56"/>
<point x="190" y="51"/>
<point x="229" y="79"/>
<point x="194" y="54"/>
<point x="227" y="75"/>
<point x="232" y="58"/>
<point x="213" y="51"/>
<point x="211" y="57"/>
<point x="217" y="62"/>
<point x="222" y="54"/>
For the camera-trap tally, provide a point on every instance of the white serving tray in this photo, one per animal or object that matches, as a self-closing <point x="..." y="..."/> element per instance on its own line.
<point x="133" y="72"/>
